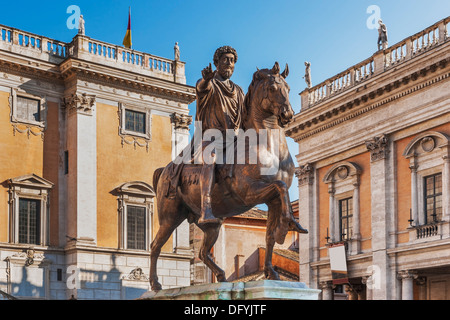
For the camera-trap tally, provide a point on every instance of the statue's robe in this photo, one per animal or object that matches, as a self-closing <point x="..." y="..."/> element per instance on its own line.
<point x="219" y="106"/>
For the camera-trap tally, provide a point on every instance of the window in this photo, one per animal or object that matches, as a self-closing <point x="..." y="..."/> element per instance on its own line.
<point x="135" y="215"/>
<point x="29" y="221"/>
<point x="430" y="166"/>
<point x="135" y="121"/>
<point x="29" y="209"/>
<point x="136" y="228"/>
<point x="135" y="125"/>
<point x="343" y="180"/>
<point x="28" y="109"/>
<point x="433" y="198"/>
<point x="345" y="218"/>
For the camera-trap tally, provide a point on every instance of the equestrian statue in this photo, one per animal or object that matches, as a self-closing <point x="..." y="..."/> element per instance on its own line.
<point x="219" y="177"/>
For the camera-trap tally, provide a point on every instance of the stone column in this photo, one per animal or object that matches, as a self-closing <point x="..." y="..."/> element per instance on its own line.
<point x="327" y="290"/>
<point x="446" y="192"/>
<point x="446" y="185"/>
<point x="407" y="277"/>
<point x="356" y="246"/>
<point x="332" y="217"/>
<point x="414" y="195"/>
<point x="368" y="281"/>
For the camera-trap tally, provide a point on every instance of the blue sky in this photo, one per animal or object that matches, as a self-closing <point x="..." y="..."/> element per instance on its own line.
<point x="332" y="35"/>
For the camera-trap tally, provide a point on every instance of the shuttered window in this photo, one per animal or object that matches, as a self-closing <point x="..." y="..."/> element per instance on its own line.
<point x="29" y="221"/>
<point x="28" y="109"/>
<point x="136" y="228"/>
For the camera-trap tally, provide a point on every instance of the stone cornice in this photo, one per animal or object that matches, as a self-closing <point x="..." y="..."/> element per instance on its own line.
<point x="127" y="81"/>
<point x="32" y="68"/>
<point x="29" y="67"/>
<point x="387" y="85"/>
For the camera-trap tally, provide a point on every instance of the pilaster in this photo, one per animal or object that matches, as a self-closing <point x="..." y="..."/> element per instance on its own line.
<point x="307" y="218"/>
<point x="381" y="173"/>
<point x="327" y="290"/>
<point x="82" y="175"/>
<point x="180" y="140"/>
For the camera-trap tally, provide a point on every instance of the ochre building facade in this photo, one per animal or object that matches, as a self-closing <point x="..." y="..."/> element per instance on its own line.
<point x="84" y="125"/>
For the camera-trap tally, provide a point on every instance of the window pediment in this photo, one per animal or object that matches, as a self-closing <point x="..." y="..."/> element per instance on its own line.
<point x="341" y="171"/>
<point x="426" y="142"/>
<point x="32" y="181"/>
<point x="137" y="188"/>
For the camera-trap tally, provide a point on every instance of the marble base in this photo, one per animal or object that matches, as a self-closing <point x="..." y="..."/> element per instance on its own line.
<point x="257" y="290"/>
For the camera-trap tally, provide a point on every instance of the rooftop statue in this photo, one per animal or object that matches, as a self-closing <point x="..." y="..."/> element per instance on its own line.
<point x="81" y="26"/>
<point x="177" y="51"/>
<point x="211" y="185"/>
<point x="307" y="76"/>
<point x="382" y="36"/>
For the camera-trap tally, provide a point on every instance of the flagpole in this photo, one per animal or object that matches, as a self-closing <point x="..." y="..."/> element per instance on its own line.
<point x="129" y="26"/>
<point x="127" y="41"/>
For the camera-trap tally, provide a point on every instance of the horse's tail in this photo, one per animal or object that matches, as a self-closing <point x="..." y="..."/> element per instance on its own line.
<point x="156" y="177"/>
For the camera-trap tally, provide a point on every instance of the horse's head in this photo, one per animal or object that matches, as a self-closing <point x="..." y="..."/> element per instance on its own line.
<point x="270" y="91"/>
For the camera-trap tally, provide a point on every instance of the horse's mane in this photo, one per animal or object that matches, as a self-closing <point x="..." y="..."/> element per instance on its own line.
<point x="257" y="77"/>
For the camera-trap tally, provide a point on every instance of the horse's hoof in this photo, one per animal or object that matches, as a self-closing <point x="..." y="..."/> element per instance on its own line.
<point x="272" y="275"/>
<point x="156" y="287"/>
<point x="221" y="278"/>
<point x="295" y="226"/>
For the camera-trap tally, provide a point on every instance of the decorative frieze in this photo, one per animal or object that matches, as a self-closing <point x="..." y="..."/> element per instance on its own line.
<point x="378" y="147"/>
<point x="28" y="130"/>
<point x="136" y="274"/>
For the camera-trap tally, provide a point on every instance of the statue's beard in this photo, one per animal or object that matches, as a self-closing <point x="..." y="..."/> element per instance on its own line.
<point x="226" y="74"/>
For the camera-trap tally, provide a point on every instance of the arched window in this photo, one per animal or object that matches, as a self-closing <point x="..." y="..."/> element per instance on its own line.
<point x="428" y="155"/>
<point x="343" y="181"/>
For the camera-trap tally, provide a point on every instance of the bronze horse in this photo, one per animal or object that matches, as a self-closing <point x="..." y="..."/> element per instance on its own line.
<point x="267" y="107"/>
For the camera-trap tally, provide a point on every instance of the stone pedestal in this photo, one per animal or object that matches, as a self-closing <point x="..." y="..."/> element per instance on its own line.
<point x="257" y="290"/>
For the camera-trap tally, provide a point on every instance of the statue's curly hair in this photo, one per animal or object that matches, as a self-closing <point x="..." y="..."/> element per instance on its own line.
<point x="224" y="50"/>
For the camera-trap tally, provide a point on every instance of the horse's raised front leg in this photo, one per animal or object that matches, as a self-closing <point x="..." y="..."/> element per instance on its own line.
<point x="211" y="233"/>
<point x="267" y="192"/>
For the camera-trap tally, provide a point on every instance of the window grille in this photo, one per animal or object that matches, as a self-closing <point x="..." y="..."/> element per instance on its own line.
<point x="29" y="221"/>
<point x="136" y="227"/>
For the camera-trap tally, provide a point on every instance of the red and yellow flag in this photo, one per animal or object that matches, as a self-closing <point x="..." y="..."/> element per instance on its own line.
<point x="127" y="40"/>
